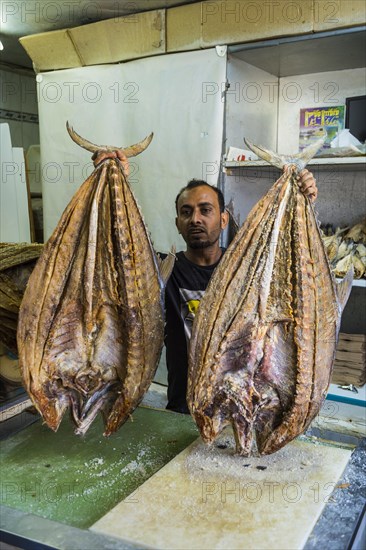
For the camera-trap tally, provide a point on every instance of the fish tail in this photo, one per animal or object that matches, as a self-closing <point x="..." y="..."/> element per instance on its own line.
<point x="130" y="151"/>
<point x="300" y="160"/>
<point x="266" y="154"/>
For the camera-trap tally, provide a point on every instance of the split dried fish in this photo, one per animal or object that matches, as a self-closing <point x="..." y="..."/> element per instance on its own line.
<point x="358" y="266"/>
<point x="345" y="247"/>
<point x="357" y="233"/>
<point x="360" y="250"/>
<point x="343" y="265"/>
<point x="91" y="321"/>
<point x="264" y="337"/>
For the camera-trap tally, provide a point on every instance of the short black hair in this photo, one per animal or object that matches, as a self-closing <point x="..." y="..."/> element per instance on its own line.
<point x="198" y="183"/>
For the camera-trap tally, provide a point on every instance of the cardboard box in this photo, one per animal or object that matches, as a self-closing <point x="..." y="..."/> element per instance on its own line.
<point x="110" y="41"/>
<point x="121" y="39"/>
<point x="184" y="29"/>
<point x="214" y="22"/>
<point x="51" y="50"/>
<point x="338" y="14"/>
<point x="233" y="21"/>
<point x="188" y="27"/>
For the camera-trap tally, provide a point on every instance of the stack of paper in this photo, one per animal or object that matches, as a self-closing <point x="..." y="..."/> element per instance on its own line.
<point x="350" y="360"/>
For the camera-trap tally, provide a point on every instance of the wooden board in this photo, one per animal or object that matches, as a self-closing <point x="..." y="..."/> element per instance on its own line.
<point x="208" y="498"/>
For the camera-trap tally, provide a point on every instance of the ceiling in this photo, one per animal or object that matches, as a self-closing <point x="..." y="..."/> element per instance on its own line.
<point x="25" y="17"/>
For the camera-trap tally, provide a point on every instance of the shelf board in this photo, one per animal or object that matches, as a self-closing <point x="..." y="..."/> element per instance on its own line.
<point x="327" y="161"/>
<point x="337" y="393"/>
<point x="356" y="282"/>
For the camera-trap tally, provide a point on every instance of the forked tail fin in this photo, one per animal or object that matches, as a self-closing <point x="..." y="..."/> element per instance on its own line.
<point x="130" y="151"/>
<point x="300" y="160"/>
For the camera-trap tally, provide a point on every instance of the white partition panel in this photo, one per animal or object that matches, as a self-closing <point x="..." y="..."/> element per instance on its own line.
<point x="252" y="105"/>
<point x="14" y="210"/>
<point x="172" y="95"/>
<point x="251" y="112"/>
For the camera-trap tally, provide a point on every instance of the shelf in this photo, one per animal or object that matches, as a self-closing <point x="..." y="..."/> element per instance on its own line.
<point x="336" y="393"/>
<point x="356" y="282"/>
<point x="328" y="161"/>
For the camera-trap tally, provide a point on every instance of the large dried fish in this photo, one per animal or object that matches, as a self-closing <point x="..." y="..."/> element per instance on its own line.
<point x="264" y="337"/>
<point x="91" y="321"/>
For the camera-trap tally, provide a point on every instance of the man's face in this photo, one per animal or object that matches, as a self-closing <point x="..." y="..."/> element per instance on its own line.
<point x="199" y="219"/>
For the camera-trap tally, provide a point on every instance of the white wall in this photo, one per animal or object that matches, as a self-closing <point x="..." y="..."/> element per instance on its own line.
<point x="251" y="105"/>
<point x="19" y="95"/>
<point x="121" y="104"/>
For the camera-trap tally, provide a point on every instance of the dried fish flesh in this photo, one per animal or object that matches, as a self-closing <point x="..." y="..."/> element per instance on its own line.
<point x="264" y="338"/>
<point x="91" y="321"/>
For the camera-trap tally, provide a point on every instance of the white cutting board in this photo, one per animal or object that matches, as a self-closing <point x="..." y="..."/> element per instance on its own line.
<point x="208" y="498"/>
<point x="14" y="210"/>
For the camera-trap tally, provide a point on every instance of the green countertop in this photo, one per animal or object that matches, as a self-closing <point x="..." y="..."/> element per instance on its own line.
<point x="74" y="480"/>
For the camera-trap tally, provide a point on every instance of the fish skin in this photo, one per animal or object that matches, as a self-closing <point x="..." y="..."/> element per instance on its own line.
<point x="91" y="322"/>
<point x="263" y="340"/>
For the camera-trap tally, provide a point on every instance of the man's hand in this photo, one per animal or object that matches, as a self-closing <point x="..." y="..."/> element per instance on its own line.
<point x="99" y="156"/>
<point x="307" y="184"/>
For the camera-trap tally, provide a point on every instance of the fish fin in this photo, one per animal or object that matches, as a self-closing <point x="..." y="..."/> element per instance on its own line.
<point x="130" y="151"/>
<point x="266" y="154"/>
<point x="300" y="160"/>
<point x="308" y="153"/>
<point x="136" y="149"/>
<point x="86" y="144"/>
<point x="234" y="225"/>
<point x="166" y="265"/>
<point x="344" y="288"/>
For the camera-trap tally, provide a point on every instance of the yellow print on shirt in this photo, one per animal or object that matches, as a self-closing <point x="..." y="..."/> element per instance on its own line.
<point x="193" y="306"/>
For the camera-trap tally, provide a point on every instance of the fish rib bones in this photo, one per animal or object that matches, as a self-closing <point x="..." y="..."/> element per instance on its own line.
<point x="264" y="337"/>
<point x="91" y="322"/>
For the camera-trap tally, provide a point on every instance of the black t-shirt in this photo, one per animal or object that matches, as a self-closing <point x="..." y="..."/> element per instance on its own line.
<point x="185" y="288"/>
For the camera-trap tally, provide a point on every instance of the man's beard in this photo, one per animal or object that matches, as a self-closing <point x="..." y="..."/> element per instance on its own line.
<point x="197" y="244"/>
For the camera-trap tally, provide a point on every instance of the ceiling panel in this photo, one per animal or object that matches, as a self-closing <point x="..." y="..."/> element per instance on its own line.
<point x="22" y="18"/>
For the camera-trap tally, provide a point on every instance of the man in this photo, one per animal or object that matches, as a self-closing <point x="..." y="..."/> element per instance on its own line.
<point x="200" y="218"/>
